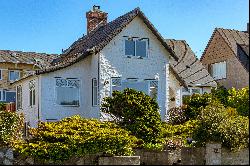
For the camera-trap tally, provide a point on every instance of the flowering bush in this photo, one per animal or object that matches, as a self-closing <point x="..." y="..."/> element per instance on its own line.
<point x="11" y="125"/>
<point x="176" y="115"/>
<point x="75" y="136"/>
<point x="239" y="99"/>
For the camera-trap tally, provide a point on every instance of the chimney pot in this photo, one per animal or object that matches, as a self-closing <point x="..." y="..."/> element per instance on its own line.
<point x="95" y="18"/>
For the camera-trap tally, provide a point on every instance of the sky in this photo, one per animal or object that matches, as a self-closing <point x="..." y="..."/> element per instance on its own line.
<point x="48" y="26"/>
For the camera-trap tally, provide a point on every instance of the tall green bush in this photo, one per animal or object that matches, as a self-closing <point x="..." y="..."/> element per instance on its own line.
<point x="10" y="127"/>
<point x="135" y="111"/>
<point x="75" y="136"/>
<point x="219" y="124"/>
<point x="239" y="99"/>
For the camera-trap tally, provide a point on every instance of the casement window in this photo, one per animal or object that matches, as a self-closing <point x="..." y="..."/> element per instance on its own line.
<point x="149" y="87"/>
<point x="219" y="70"/>
<point x="2" y="95"/>
<point x="94" y="92"/>
<point x="196" y="91"/>
<point x="19" y="98"/>
<point x="67" y="92"/>
<point x="32" y="93"/>
<point x="136" y="47"/>
<point x="14" y="75"/>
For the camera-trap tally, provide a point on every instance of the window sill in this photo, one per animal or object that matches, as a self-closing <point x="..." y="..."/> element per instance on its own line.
<point x="135" y="57"/>
<point x="68" y="105"/>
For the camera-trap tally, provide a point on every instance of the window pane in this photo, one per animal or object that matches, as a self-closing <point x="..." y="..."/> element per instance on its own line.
<point x="34" y="97"/>
<point x="94" y="92"/>
<point x="13" y="75"/>
<point x="67" y="96"/>
<point x="196" y="91"/>
<point x="139" y="86"/>
<point x="30" y="97"/>
<point x="0" y="74"/>
<point x="153" y="91"/>
<point x="141" y="48"/>
<point x="129" y="47"/>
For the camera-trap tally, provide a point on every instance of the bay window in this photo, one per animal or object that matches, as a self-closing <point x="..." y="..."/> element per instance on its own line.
<point x="149" y="87"/>
<point x="67" y="92"/>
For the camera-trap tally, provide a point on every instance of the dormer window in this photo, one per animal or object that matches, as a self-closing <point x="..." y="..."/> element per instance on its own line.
<point x="136" y="47"/>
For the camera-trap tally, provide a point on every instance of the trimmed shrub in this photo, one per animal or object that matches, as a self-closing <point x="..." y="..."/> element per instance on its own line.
<point x="136" y="112"/>
<point x="221" y="94"/>
<point x="11" y="125"/>
<point x="75" y="136"/>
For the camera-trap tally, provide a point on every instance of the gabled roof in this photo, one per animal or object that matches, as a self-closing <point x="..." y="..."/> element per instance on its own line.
<point x="42" y="60"/>
<point x="232" y="38"/>
<point x="97" y="39"/>
<point x="188" y="66"/>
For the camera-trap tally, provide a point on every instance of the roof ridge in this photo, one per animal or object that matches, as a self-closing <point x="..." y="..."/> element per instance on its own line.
<point x="231" y="29"/>
<point x="27" y="52"/>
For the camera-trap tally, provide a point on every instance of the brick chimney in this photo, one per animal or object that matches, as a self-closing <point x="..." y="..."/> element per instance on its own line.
<point x="95" y="18"/>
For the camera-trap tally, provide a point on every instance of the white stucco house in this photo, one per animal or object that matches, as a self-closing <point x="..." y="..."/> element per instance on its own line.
<point x="126" y="52"/>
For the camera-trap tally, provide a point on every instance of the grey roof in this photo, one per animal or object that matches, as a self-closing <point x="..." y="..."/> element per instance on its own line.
<point x="188" y="66"/>
<point x="42" y="60"/>
<point x="97" y="39"/>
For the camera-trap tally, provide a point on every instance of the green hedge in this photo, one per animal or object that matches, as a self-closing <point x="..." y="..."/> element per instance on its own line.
<point x="76" y="136"/>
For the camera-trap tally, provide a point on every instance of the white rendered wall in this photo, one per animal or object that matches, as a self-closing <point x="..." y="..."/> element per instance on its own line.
<point x="114" y="63"/>
<point x="84" y="70"/>
<point x="31" y="114"/>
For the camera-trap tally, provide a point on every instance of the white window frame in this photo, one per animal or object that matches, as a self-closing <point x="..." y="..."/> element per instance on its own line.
<point x="1" y="74"/>
<point x="217" y="69"/>
<point x="2" y="95"/>
<point x="13" y="71"/>
<point x="135" y="39"/>
<point x="94" y="89"/>
<point x="68" y="79"/>
<point x="19" y="97"/>
<point x="32" y="93"/>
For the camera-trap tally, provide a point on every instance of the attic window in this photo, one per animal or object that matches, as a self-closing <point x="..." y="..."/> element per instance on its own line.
<point x="136" y="46"/>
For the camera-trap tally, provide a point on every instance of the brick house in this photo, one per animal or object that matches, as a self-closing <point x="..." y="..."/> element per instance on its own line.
<point x="17" y="64"/>
<point x="226" y="57"/>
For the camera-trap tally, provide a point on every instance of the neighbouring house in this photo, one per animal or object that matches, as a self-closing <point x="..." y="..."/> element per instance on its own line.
<point x="127" y="52"/>
<point x="189" y="68"/>
<point x="17" y="64"/>
<point x="226" y="57"/>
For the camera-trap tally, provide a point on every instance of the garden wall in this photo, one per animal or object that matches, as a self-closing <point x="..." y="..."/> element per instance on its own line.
<point x="212" y="154"/>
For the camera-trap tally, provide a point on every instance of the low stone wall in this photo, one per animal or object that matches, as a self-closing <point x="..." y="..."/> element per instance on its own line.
<point x="119" y="160"/>
<point x="212" y="154"/>
<point x="6" y="156"/>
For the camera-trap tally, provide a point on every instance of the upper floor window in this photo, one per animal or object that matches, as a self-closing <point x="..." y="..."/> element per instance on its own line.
<point x="136" y="47"/>
<point x="14" y="75"/>
<point x="19" y="97"/>
<point x="219" y="70"/>
<point x="32" y="91"/>
<point x="67" y="92"/>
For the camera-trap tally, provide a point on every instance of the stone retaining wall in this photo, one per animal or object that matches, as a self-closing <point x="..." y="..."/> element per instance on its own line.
<point x="6" y="156"/>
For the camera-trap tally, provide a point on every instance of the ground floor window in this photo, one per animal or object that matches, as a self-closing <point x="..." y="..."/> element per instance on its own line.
<point x="67" y="91"/>
<point x="2" y="95"/>
<point x="149" y="87"/>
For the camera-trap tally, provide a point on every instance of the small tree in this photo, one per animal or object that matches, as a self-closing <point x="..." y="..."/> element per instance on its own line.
<point x="135" y="111"/>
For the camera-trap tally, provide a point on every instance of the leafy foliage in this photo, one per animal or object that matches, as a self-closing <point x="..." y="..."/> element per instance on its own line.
<point x="220" y="124"/>
<point x="10" y="127"/>
<point x="178" y="134"/>
<point x="221" y="94"/>
<point x="239" y="99"/>
<point x="2" y="106"/>
<point x="195" y="103"/>
<point x="136" y="112"/>
<point x="75" y="136"/>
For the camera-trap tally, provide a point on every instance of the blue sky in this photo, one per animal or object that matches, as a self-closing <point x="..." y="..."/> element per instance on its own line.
<point x="52" y="25"/>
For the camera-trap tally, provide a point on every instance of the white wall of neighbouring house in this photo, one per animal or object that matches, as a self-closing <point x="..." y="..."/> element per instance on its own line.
<point x="114" y="63"/>
<point x="31" y="114"/>
<point x="174" y="86"/>
<point x="84" y="70"/>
